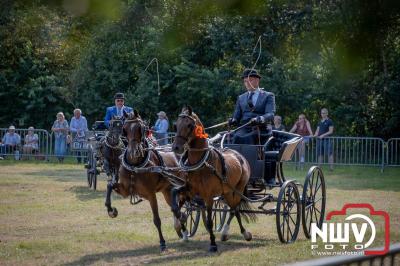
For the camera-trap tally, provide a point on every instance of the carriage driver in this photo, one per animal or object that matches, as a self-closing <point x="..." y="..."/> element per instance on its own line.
<point x="118" y="109"/>
<point x="254" y="105"/>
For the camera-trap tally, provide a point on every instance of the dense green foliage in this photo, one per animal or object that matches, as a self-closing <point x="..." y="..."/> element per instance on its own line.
<point x="343" y="55"/>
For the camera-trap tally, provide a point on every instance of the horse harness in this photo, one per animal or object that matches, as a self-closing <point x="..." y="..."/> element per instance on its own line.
<point x="204" y="162"/>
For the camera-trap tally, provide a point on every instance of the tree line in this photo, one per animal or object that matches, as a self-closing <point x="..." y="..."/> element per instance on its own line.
<point x="342" y="55"/>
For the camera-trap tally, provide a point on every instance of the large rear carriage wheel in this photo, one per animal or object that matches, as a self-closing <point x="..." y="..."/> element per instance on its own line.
<point x="288" y="212"/>
<point x="313" y="200"/>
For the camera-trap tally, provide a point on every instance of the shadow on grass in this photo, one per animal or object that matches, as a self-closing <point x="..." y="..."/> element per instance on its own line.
<point x="62" y="175"/>
<point x="84" y="193"/>
<point x="192" y="250"/>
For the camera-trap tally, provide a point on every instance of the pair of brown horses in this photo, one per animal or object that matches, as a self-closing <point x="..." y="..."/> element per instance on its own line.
<point x="208" y="173"/>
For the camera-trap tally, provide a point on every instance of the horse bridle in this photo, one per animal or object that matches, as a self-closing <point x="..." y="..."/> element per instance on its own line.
<point x="186" y="139"/>
<point x="144" y="129"/>
<point x="111" y="135"/>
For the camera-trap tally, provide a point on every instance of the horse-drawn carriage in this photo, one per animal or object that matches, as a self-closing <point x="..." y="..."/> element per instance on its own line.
<point x="217" y="181"/>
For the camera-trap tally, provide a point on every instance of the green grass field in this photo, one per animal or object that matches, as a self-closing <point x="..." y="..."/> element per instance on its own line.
<point x="48" y="216"/>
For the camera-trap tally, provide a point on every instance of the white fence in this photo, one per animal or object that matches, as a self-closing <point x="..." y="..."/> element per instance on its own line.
<point x="336" y="150"/>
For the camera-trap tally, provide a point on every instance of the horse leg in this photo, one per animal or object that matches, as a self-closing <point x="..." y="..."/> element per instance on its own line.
<point x="177" y="225"/>
<point x="107" y="169"/>
<point x="247" y="235"/>
<point x="157" y="221"/>
<point x="225" y="229"/>
<point x="112" y="212"/>
<point x="180" y="218"/>
<point x="213" y="244"/>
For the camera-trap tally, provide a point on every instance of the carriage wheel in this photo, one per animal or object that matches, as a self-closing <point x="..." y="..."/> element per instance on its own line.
<point x="313" y="200"/>
<point x="89" y="178"/>
<point x="220" y="209"/>
<point x="192" y="212"/>
<point x="89" y="166"/>
<point x="94" y="180"/>
<point x="288" y="212"/>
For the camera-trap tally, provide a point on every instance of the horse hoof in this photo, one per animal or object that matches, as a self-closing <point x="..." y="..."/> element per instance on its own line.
<point x="224" y="237"/>
<point x="225" y="233"/>
<point x="185" y="237"/>
<point x="163" y="247"/>
<point x="213" y="248"/>
<point x="113" y="213"/>
<point x="247" y="236"/>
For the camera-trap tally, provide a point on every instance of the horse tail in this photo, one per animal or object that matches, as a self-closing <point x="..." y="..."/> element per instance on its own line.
<point x="245" y="206"/>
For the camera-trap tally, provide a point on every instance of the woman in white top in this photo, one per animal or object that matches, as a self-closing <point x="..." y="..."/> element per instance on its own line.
<point x="31" y="142"/>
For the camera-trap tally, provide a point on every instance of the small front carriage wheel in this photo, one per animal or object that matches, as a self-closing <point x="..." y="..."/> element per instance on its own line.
<point x="192" y="212"/>
<point x="219" y="211"/>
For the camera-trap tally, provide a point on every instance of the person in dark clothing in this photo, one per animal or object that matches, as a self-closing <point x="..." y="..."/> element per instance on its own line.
<point x="324" y="145"/>
<point x="255" y="105"/>
<point x="258" y="107"/>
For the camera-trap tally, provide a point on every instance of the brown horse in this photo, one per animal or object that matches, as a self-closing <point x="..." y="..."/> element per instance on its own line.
<point x="134" y="179"/>
<point x="211" y="172"/>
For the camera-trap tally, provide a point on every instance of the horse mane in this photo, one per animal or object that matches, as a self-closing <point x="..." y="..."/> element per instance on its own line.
<point x="193" y="115"/>
<point x="132" y="115"/>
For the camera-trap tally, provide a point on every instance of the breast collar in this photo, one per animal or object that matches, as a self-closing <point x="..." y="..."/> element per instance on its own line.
<point x="134" y="168"/>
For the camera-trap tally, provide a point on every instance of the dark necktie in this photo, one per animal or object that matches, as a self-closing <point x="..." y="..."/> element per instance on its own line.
<point x="250" y="100"/>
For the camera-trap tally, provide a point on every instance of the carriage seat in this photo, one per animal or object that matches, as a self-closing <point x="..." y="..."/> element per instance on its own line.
<point x="281" y="146"/>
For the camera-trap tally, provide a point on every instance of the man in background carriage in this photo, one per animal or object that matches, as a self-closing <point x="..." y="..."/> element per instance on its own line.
<point x="118" y="109"/>
<point x="255" y="106"/>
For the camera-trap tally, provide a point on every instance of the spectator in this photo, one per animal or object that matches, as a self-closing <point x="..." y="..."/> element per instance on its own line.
<point x="303" y="128"/>
<point x="324" y="145"/>
<point x="278" y="123"/>
<point x="31" y="145"/>
<point x="60" y="129"/>
<point x="10" y="142"/>
<point x="161" y="128"/>
<point x="79" y="129"/>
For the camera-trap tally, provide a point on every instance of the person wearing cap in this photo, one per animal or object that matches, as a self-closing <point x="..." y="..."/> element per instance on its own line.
<point x="31" y="142"/>
<point x="117" y="109"/>
<point x="10" y="141"/>
<point x="256" y="106"/>
<point x="161" y="128"/>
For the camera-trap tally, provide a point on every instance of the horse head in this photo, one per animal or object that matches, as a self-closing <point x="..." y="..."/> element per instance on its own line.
<point x="115" y="128"/>
<point x="135" y="130"/>
<point x="188" y="128"/>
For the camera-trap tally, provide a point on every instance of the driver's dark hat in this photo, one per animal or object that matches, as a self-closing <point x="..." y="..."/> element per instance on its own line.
<point x="250" y="73"/>
<point x="119" y="95"/>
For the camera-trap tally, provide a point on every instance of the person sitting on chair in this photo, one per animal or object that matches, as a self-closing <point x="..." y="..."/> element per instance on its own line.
<point x="118" y="109"/>
<point x="31" y="145"/>
<point x="10" y="143"/>
<point x="255" y="105"/>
